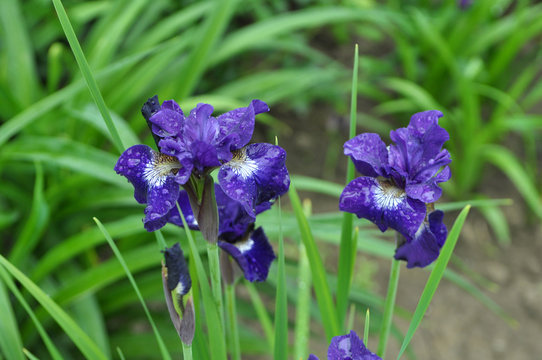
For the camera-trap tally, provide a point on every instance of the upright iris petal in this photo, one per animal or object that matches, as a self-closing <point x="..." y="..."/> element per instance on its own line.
<point x="153" y="177"/>
<point x="399" y="181"/>
<point x="348" y="347"/>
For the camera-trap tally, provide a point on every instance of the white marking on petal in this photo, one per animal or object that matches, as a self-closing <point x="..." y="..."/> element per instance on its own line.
<point x="242" y="165"/>
<point x="245" y="246"/>
<point x="179" y="290"/>
<point x="387" y="196"/>
<point x="159" y="168"/>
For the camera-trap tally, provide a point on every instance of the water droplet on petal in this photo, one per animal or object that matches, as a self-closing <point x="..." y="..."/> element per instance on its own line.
<point x="133" y="162"/>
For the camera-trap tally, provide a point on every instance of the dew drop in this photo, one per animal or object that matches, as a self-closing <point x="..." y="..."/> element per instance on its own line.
<point x="133" y="162"/>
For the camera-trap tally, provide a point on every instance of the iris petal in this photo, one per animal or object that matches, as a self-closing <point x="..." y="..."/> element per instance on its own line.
<point x="424" y="248"/>
<point x="160" y="200"/>
<point x="383" y="204"/>
<point x="349" y="347"/>
<point x="369" y="154"/>
<point x="237" y="126"/>
<point x="132" y="164"/>
<point x="168" y="121"/>
<point x="254" y="255"/>
<point x="257" y="174"/>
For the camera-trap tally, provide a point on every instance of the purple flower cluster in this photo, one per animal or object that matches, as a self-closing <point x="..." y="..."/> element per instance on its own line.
<point x="251" y="177"/>
<point x="191" y="147"/>
<point x="348" y="347"/>
<point x="400" y="184"/>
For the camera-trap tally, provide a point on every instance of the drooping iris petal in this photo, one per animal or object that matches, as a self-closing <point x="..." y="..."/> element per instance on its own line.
<point x="152" y="175"/>
<point x="369" y="154"/>
<point x="132" y="165"/>
<point x="382" y="203"/>
<point x="254" y="255"/>
<point x="348" y="347"/>
<point x="256" y="174"/>
<point x="237" y="126"/>
<point x="161" y="199"/>
<point x="424" y="247"/>
<point x="174" y="216"/>
<point x="233" y="219"/>
<point x="178" y="277"/>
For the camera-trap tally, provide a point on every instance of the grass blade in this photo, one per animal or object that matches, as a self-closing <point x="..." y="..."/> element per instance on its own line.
<point x="10" y="340"/>
<point x="87" y="73"/>
<point x="53" y="351"/>
<point x="321" y="286"/>
<point x="303" y="305"/>
<point x="263" y="316"/>
<point x="35" y="224"/>
<point x="347" y="248"/>
<point x="120" y="258"/>
<point x="388" y="308"/>
<point x="83" y="342"/>
<point x="211" y="32"/>
<point x="281" y="303"/>
<point x="508" y="163"/>
<point x="434" y="278"/>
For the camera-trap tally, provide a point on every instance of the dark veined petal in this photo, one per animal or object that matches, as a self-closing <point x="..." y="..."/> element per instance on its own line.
<point x="178" y="277"/>
<point x="254" y="255"/>
<point x="132" y="164"/>
<point x="168" y="120"/>
<point x="383" y="204"/>
<point x="424" y="247"/>
<point x="369" y="154"/>
<point x="237" y="126"/>
<point x="313" y="357"/>
<point x="257" y="174"/>
<point x="349" y="347"/>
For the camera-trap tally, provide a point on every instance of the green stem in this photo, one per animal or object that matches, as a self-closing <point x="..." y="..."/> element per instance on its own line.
<point x="281" y="303"/>
<point x="232" y="322"/>
<point x="388" y="308"/>
<point x="187" y="352"/>
<point x="216" y="284"/>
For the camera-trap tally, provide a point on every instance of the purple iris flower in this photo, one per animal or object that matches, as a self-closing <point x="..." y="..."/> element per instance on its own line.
<point x="193" y="146"/>
<point x="236" y="234"/>
<point x="348" y="347"/>
<point x="400" y="184"/>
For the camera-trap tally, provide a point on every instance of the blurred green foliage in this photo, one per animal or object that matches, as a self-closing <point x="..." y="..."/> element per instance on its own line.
<point x="478" y="66"/>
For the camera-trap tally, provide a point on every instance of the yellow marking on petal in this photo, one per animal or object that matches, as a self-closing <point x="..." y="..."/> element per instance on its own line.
<point x="157" y="170"/>
<point x="241" y="164"/>
<point x="388" y="196"/>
